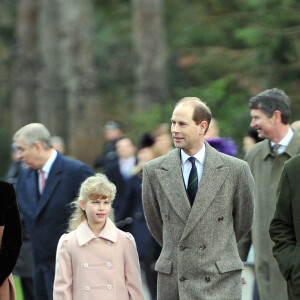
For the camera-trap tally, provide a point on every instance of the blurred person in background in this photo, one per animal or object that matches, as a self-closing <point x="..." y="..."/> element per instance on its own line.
<point x="224" y="145"/>
<point x="270" y="113"/>
<point x="58" y="144"/>
<point x="250" y="139"/>
<point x="118" y="171"/>
<point x="44" y="191"/>
<point x="148" y="249"/>
<point x="24" y="265"/>
<point x="10" y="239"/>
<point x="112" y="132"/>
<point x="163" y="142"/>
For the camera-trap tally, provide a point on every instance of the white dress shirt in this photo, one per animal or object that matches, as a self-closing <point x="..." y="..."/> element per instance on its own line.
<point x="284" y="142"/>
<point x="186" y="165"/>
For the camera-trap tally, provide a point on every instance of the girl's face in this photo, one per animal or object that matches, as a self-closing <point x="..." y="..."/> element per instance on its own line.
<point x="97" y="210"/>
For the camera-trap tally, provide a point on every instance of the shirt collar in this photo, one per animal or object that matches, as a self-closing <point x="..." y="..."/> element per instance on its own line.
<point x="200" y="156"/>
<point x="84" y="233"/>
<point x="47" y="166"/>
<point x="286" y="140"/>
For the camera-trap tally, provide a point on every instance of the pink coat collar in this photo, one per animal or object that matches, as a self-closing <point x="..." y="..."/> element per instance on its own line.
<point x="84" y="233"/>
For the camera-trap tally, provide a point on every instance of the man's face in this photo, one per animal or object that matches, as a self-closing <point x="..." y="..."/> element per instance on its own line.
<point x="186" y="134"/>
<point x="125" y="148"/>
<point x="28" y="155"/>
<point x="264" y="125"/>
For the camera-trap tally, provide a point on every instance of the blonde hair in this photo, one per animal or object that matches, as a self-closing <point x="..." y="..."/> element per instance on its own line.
<point x="92" y="188"/>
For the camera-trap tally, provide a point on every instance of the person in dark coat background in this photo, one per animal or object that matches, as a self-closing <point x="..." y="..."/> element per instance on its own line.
<point x="10" y="239"/>
<point x="132" y="209"/>
<point x="45" y="190"/>
<point x="24" y="265"/>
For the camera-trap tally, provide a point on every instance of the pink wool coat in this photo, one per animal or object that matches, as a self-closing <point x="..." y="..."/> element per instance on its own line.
<point x="93" y="268"/>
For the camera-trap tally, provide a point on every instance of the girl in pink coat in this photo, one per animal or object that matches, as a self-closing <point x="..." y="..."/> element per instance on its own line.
<point x="95" y="260"/>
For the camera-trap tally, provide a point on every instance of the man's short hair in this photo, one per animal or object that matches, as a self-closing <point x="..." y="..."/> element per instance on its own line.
<point x="201" y="110"/>
<point x="34" y="132"/>
<point x="270" y="100"/>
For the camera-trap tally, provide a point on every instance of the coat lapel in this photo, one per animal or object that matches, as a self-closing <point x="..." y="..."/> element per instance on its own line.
<point x="171" y="180"/>
<point x="51" y="183"/>
<point x="213" y="176"/>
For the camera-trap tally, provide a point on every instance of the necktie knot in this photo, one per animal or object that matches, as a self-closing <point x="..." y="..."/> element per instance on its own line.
<point x="275" y="149"/>
<point x="192" y="160"/>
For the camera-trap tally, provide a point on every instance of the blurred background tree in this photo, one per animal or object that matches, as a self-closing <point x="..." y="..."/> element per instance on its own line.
<point x="75" y="64"/>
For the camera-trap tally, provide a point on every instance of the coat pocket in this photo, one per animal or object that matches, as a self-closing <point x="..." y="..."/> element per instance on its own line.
<point x="163" y="265"/>
<point x="229" y="265"/>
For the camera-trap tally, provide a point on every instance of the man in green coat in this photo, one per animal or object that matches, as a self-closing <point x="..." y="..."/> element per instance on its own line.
<point x="285" y="226"/>
<point x="270" y="112"/>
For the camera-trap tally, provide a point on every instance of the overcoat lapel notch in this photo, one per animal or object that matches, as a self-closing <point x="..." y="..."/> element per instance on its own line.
<point x="51" y="183"/>
<point x="211" y="182"/>
<point x="171" y="180"/>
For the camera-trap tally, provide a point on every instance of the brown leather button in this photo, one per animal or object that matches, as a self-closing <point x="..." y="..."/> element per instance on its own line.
<point x="202" y="247"/>
<point x="167" y="217"/>
<point x="207" y="278"/>
<point x="182" y="248"/>
<point x="220" y="218"/>
<point x="182" y="279"/>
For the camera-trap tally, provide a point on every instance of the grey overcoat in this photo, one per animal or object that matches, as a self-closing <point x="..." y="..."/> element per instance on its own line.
<point x="266" y="169"/>
<point x="199" y="258"/>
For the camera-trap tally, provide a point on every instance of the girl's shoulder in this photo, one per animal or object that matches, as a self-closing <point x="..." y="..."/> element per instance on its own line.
<point x="126" y="236"/>
<point x="66" y="237"/>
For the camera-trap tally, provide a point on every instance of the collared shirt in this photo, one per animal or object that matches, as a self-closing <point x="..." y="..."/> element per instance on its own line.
<point x="126" y="166"/>
<point x="186" y="165"/>
<point x="46" y="168"/>
<point x="284" y="142"/>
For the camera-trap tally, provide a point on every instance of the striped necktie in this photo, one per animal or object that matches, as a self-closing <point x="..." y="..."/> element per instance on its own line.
<point x="193" y="181"/>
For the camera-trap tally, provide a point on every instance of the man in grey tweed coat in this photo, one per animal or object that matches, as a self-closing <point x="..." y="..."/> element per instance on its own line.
<point x="199" y="258"/>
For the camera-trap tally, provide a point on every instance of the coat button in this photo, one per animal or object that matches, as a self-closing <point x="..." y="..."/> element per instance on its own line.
<point x="167" y="217"/>
<point x="220" y="218"/>
<point x="109" y="287"/>
<point x="182" y="279"/>
<point x="108" y="242"/>
<point x="86" y="265"/>
<point x="87" y="288"/>
<point x="207" y="278"/>
<point x="182" y="248"/>
<point x="203" y="247"/>
<point x="108" y="264"/>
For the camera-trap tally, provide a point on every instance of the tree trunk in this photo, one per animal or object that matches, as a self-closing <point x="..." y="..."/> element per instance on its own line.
<point x="50" y="104"/>
<point x="150" y="48"/>
<point x="25" y="66"/>
<point x="79" y="77"/>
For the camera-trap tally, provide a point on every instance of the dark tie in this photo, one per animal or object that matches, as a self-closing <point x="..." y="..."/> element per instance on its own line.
<point x="275" y="149"/>
<point x="193" y="181"/>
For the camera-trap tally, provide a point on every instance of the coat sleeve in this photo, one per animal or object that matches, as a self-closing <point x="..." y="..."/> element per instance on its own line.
<point x="63" y="281"/>
<point x="12" y="233"/>
<point x="151" y="208"/>
<point x="282" y="230"/>
<point x="132" y="270"/>
<point x="243" y="206"/>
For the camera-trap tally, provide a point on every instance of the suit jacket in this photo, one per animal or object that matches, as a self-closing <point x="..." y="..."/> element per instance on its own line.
<point x="47" y="216"/>
<point x="285" y="226"/>
<point x="266" y="169"/>
<point x="106" y="267"/>
<point x="199" y="258"/>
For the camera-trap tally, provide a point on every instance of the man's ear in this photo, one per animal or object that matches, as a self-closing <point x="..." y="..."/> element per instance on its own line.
<point x="277" y="116"/>
<point x="203" y="126"/>
<point x="81" y="204"/>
